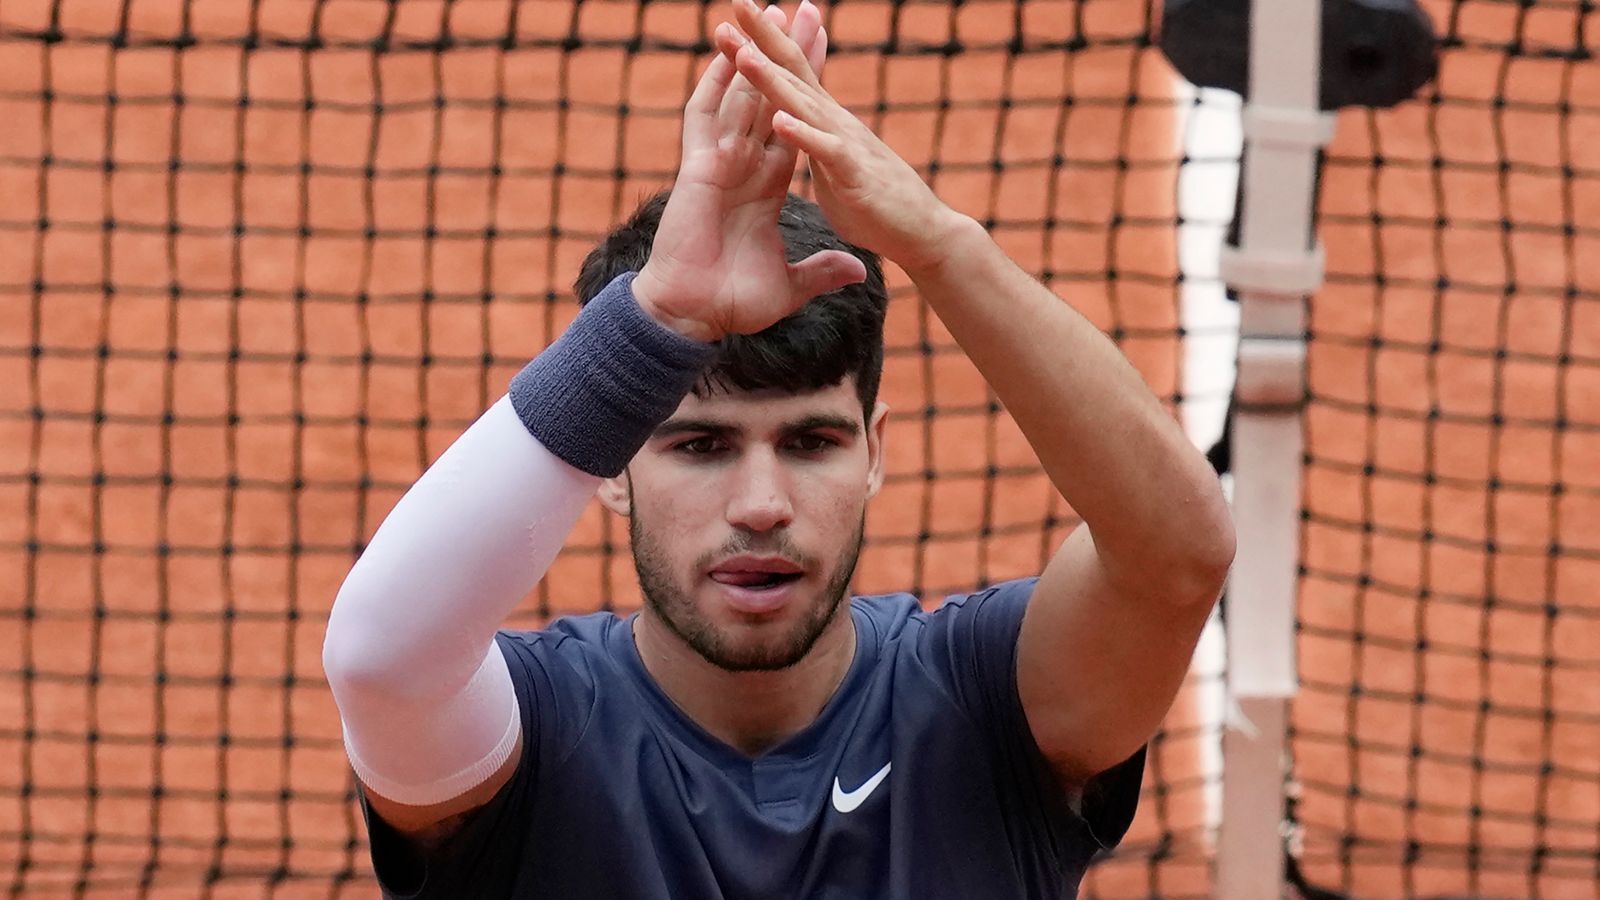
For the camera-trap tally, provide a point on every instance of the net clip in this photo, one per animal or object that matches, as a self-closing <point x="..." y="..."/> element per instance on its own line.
<point x="1268" y="272"/>
<point x="1271" y="374"/>
<point x="1286" y="127"/>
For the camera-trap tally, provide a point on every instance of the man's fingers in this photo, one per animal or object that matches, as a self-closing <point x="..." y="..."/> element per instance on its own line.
<point x="785" y="89"/>
<point x="806" y="29"/>
<point x="713" y="84"/>
<point x="818" y="57"/>
<point x="805" y="32"/>
<point x="700" y="113"/>
<point x="728" y="40"/>
<point x="813" y="142"/>
<point x="741" y="86"/>
<point x="772" y="41"/>
<point x="823" y="272"/>
<point x="739" y="112"/>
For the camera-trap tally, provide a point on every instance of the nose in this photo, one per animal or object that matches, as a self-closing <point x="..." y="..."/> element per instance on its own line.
<point x="759" y="498"/>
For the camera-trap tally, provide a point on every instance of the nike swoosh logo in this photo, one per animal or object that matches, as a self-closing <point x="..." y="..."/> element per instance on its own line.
<point x="847" y="801"/>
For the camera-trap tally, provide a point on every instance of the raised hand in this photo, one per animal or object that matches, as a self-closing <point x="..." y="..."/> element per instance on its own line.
<point x="872" y="197"/>
<point x="717" y="265"/>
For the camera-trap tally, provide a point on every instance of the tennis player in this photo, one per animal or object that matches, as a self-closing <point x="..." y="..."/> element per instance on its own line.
<point x="754" y="732"/>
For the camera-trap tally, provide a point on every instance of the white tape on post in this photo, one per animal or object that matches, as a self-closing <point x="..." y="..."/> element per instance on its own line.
<point x="1272" y="376"/>
<point x="1252" y="807"/>
<point x="1266" y="503"/>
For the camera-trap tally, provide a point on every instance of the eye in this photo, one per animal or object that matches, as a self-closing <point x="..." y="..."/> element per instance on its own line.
<point x="699" y="446"/>
<point x="814" y="443"/>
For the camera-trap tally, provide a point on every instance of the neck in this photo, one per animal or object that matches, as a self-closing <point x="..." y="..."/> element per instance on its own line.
<point x="749" y="711"/>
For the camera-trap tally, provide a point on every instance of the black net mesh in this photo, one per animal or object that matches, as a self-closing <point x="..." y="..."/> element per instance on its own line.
<point x="1445" y="737"/>
<point x="262" y="260"/>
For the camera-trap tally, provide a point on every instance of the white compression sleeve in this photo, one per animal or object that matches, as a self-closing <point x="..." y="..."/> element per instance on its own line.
<point x="423" y="692"/>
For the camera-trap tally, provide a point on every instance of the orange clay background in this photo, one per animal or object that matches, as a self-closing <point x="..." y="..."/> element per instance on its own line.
<point x="238" y="379"/>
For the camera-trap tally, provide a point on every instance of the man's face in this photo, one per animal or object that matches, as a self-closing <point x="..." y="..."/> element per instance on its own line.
<point x="746" y="514"/>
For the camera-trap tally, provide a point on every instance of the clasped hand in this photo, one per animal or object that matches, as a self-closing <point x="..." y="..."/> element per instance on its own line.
<point x="717" y="265"/>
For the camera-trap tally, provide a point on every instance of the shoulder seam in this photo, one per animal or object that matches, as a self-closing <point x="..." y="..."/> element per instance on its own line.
<point x="588" y="719"/>
<point x="552" y="641"/>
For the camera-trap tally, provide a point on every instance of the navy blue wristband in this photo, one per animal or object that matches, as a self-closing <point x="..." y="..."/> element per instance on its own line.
<point x="595" y="394"/>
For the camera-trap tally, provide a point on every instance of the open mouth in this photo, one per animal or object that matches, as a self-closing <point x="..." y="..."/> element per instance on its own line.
<point x="755" y="581"/>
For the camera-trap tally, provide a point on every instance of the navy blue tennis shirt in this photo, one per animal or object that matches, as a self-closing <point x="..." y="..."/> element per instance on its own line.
<point x="919" y="779"/>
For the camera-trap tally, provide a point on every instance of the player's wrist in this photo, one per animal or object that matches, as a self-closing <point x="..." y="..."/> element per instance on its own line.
<point x="944" y="238"/>
<point x="595" y="394"/>
<point x="648" y="292"/>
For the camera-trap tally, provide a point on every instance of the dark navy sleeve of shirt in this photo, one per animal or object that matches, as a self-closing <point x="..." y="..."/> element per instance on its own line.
<point x="475" y="860"/>
<point x="972" y="641"/>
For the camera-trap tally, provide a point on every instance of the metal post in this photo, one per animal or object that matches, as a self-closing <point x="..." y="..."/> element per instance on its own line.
<point x="1275" y="267"/>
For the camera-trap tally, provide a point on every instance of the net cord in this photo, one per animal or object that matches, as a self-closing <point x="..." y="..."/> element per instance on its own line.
<point x="1274" y="268"/>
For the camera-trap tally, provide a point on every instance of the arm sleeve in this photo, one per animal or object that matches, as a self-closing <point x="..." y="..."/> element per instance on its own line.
<point x="426" y="700"/>
<point x="971" y="641"/>
<point x="425" y="697"/>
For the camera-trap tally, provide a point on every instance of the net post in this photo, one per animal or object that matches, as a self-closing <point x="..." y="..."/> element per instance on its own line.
<point x="1274" y="267"/>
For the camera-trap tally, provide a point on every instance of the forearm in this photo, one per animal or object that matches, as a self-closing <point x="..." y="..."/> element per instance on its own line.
<point x="453" y="558"/>
<point x="481" y="526"/>
<point x="1116" y="455"/>
<point x="425" y="698"/>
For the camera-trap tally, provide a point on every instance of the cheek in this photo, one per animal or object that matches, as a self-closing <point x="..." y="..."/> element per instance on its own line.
<point x="665" y="520"/>
<point x="675" y="520"/>
<point x="835" y="504"/>
<point x="665" y="493"/>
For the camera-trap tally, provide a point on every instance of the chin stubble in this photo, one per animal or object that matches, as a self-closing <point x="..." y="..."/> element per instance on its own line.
<point x="676" y="608"/>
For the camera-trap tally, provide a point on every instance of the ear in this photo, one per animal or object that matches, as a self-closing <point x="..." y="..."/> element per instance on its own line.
<point x="615" y="494"/>
<point x="875" y="433"/>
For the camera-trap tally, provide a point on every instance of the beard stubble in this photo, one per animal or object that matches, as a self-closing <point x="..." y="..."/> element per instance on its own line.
<point x="676" y="608"/>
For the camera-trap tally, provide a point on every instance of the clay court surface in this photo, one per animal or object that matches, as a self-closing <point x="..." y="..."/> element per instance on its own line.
<point x="222" y="373"/>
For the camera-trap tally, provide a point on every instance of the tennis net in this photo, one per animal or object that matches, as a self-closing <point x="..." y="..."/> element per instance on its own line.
<point x="260" y="262"/>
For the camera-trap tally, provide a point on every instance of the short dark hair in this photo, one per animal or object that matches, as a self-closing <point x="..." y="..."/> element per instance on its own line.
<point x="837" y="334"/>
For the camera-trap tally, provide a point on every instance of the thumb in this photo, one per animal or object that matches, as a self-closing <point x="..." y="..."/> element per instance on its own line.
<point x="821" y="272"/>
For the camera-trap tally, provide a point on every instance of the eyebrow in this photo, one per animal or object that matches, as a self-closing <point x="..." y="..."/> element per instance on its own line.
<point x="814" y="422"/>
